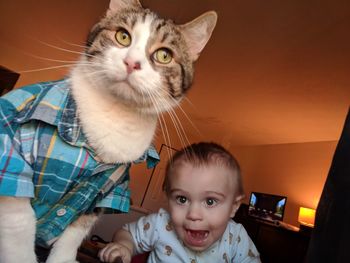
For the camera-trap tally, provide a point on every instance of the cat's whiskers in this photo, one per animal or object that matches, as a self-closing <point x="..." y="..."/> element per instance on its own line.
<point x="167" y="138"/>
<point x="187" y="117"/>
<point x="179" y="127"/>
<point x="64" y="49"/>
<point x="69" y="65"/>
<point x="184" y="140"/>
<point x="156" y="98"/>
<point x="164" y="129"/>
<point x="174" y="118"/>
<point x="46" y="68"/>
<point x="96" y="72"/>
<point x="177" y="124"/>
<point x="83" y="46"/>
<point x="54" y="60"/>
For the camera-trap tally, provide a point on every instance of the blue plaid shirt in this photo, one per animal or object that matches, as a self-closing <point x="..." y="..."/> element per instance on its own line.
<point x="45" y="156"/>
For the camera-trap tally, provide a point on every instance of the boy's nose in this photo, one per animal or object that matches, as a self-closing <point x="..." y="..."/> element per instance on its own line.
<point x="194" y="212"/>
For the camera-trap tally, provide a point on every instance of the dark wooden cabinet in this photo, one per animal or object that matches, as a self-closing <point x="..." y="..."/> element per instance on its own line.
<point x="8" y="79"/>
<point x="276" y="244"/>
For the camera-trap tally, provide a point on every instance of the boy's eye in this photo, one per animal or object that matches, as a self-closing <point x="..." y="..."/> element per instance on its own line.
<point x="123" y="37"/>
<point x="181" y="199"/>
<point x="210" y="202"/>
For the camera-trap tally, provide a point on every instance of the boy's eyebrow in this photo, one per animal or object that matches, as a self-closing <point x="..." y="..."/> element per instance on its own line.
<point x="206" y="192"/>
<point x="177" y="190"/>
<point x="216" y="193"/>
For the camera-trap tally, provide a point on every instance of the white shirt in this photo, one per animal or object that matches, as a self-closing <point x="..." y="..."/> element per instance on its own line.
<point x="154" y="233"/>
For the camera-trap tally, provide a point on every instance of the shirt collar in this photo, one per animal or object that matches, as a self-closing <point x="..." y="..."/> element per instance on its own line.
<point x="69" y="127"/>
<point x="54" y="104"/>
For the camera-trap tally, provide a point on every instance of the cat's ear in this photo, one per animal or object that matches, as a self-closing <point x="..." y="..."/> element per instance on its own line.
<point x="116" y="5"/>
<point x="198" y="32"/>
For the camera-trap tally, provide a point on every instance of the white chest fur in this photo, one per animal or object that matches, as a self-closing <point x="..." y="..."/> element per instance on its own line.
<point x="116" y="131"/>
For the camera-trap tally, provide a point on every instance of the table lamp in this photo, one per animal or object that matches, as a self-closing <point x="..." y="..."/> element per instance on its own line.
<point x="306" y="218"/>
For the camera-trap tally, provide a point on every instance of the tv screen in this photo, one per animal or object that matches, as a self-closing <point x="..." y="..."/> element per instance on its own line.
<point x="267" y="206"/>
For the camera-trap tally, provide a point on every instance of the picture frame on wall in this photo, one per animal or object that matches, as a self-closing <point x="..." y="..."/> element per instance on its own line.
<point x="154" y="197"/>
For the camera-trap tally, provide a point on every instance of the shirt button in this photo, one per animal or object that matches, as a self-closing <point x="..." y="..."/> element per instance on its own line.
<point x="61" y="212"/>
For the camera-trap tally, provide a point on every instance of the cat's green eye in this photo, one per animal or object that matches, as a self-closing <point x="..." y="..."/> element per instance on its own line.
<point x="163" y="55"/>
<point x="123" y="37"/>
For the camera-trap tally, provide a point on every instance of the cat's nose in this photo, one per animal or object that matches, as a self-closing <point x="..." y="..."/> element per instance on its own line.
<point x="131" y="65"/>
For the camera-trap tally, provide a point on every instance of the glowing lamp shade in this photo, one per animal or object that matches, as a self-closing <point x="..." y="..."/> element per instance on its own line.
<point x="306" y="216"/>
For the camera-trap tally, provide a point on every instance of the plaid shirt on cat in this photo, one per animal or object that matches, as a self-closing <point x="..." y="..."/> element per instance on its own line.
<point x="45" y="156"/>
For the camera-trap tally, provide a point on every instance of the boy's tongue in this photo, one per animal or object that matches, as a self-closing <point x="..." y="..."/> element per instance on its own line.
<point x="196" y="237"/>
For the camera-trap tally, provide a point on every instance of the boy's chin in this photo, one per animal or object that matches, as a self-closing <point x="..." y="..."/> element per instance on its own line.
<point x="197" y="248"/>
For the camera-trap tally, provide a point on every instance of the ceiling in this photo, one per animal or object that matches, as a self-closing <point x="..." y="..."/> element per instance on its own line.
<point x="274" y="71"/>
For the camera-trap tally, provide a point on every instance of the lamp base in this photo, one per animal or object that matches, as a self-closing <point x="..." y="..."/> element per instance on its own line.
<point x="305" y="229"/>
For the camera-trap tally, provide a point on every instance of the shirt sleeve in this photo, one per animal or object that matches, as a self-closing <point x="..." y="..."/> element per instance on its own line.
<point x="150" y="156"/>
<point x="144" y="232"/>
<point x="118" y="199"/>
<point x="15" y="173"/>
<point x="244" y="248"/>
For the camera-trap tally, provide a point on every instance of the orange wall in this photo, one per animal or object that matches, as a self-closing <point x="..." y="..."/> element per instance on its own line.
<point x="34" y="34"/>
<point x="297" y="171"/>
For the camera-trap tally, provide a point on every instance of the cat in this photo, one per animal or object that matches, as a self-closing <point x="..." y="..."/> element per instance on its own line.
<point x="92" y="124"/>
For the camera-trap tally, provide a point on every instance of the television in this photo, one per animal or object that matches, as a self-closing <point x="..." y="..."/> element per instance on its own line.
<point x="267" y="207"/>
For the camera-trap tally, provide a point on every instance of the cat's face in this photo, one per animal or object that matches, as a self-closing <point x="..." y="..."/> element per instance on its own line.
<point x="142" y="59"/>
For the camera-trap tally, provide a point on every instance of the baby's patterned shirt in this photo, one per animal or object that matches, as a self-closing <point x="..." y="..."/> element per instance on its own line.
<point x="155" y="233"/>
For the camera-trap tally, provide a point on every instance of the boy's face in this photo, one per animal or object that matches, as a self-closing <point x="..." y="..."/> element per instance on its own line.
<point x="201" y="202"/>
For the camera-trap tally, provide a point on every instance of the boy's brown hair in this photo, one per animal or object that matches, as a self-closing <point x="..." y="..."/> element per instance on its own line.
<point x="201" y="154"/>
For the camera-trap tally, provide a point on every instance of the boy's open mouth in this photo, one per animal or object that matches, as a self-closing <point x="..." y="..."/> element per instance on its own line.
<point x="196" y="237"/>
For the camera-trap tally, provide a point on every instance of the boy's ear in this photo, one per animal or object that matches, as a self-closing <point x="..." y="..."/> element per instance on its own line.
<point x="236" y="204"/>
